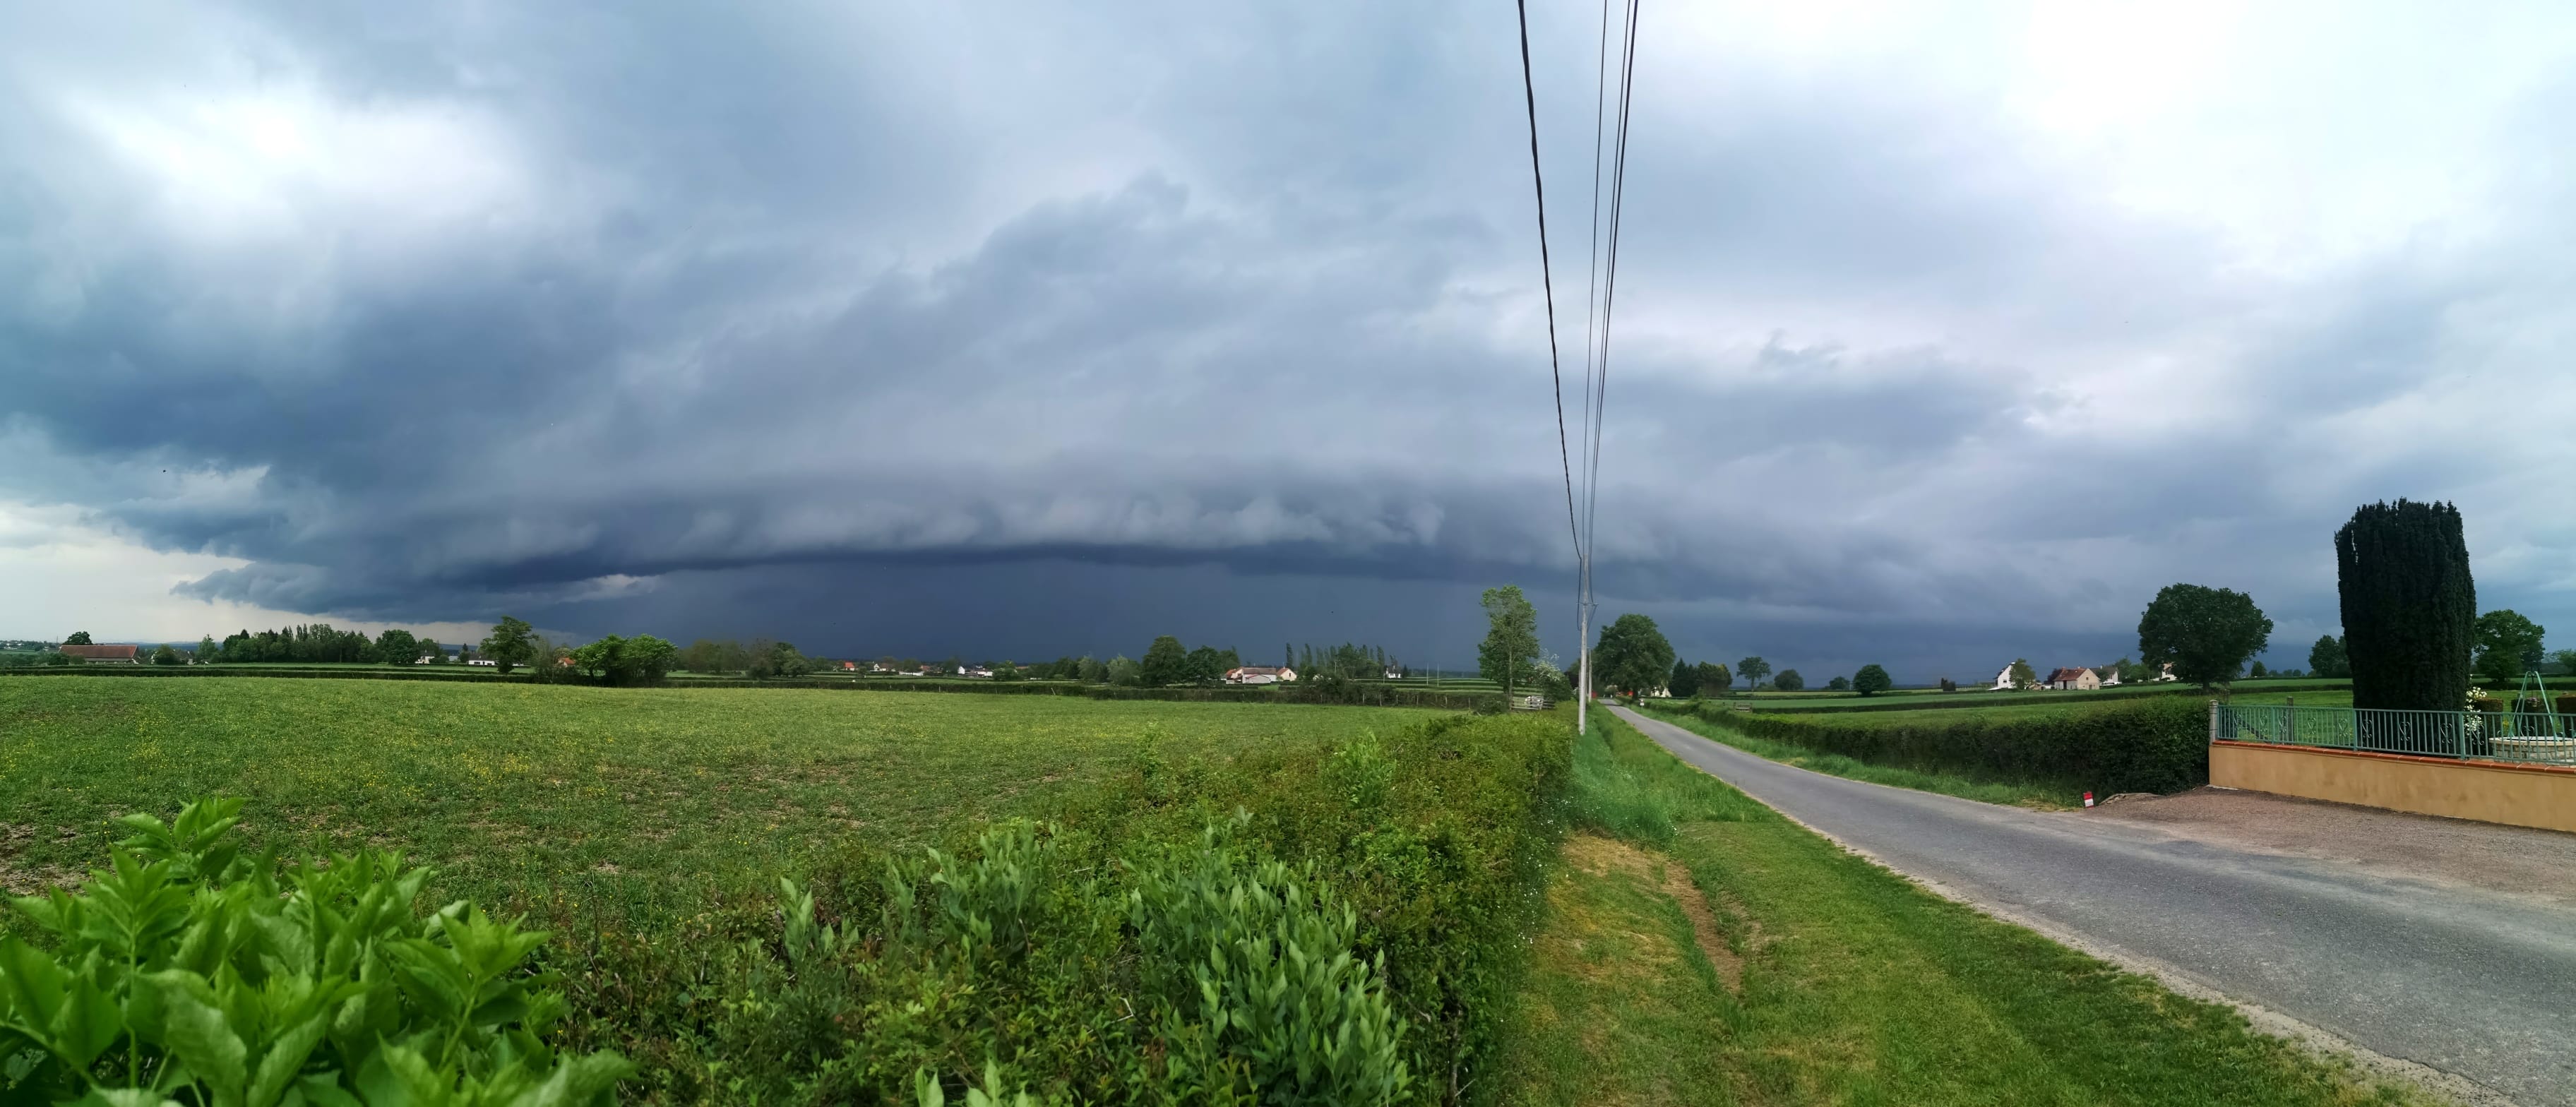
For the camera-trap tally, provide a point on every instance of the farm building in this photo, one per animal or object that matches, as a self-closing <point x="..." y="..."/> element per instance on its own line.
<point x="2072" y="680"/>
<point x="103" y="655"/>
<point x="1259" y="674"/>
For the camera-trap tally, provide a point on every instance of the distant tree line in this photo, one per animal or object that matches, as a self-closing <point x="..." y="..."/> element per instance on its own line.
<point x="320" y="643"/>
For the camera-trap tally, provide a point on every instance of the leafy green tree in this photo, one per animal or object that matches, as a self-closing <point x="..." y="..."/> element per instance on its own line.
<point x="1753" y="669"/>
<point x="2508" y="646"/>
<point x="206" y="650"/>
<point x="78" y="638"/>
<point x="2257" y="672"/>
<point x="776" y="659"/>
<point x="649" y="659"/>
<point x="1091" y="670"/>
<point x="1511" y="636"/>
<point x="2326" y="658"/>
<point x="1714" y="680"/>
<point x="1206" y="665"/>
<point x="2021" y="675"/>
<point x="2204" y="633"/>
<point x="2410" y="607"/>
<point x="1871" y="680"/>
<point x="1633" y="656"/>
<point x="1165" y="663"/>
<point x="1789" y="681"/>
<point x="1684" y="683"/>
<point x="512" y="644"/>
<point x="2566" y="660"/>
<point x="397" y="647"/>
<point x="600" y="658"/>
<point x="165" y="655"/>
<point x="1122" y="671"/>
<point x="1838" y="684"/>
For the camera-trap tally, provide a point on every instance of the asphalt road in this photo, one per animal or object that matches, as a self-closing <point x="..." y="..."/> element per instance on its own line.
<point x="2478" y="985"/>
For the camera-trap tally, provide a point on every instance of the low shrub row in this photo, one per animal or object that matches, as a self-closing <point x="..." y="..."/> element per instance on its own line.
<point x="2144" y="744"/>
<point x="1305" y="923"/>
<point x="1988" y="699"/>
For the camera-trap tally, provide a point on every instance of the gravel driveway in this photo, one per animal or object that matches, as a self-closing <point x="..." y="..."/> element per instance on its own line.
<point x="2413" y="938"/>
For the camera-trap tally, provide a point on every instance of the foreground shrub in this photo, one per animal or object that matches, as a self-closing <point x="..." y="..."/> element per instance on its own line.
<point x="2151" y="744"/>
<point x="189" y="973"/>
<point x="1308" y="923"/>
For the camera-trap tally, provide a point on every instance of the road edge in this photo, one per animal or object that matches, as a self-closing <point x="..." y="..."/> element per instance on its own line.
<point x="2311" y="1037"/>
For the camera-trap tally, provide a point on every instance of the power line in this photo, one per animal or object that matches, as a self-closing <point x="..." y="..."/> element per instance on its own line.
<point x="1547" y="282"/>
<point x="1605" y="259"/>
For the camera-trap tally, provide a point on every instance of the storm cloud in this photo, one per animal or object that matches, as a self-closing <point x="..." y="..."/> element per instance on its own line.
<point x="1031" y="330"/>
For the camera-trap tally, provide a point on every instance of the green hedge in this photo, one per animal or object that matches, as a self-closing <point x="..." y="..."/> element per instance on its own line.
<point x="2148" y="744"/>
<point x="1989" y="698"/>
<point x="1083" y="958"/>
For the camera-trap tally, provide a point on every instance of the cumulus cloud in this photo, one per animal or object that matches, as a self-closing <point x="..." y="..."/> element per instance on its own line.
<point x="1932" y="338"/>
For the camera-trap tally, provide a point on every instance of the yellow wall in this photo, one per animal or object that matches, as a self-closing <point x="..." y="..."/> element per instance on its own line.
<point x="2516" y="795"/>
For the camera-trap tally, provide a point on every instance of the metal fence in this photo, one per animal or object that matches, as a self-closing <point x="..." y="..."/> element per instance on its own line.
<point x="2529" y="736"/>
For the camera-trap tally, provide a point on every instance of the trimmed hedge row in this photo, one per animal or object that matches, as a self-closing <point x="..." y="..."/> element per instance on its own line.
<point x="1972" y="700"/>
<point x="1086" y="958"/>
<point x="2150" y="744"/>
<point x="1353" y="694"/>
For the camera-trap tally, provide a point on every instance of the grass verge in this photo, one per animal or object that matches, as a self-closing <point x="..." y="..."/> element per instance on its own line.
<point x="1743" y="959"/>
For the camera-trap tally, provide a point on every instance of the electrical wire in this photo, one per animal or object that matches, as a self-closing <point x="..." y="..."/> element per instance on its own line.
<point x="1547" y="282"/>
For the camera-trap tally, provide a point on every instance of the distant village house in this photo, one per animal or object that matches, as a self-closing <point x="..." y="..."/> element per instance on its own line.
<point x="103" y="655"/>
<point x="2073" y="680"/>
<point x="1259" y="674"/>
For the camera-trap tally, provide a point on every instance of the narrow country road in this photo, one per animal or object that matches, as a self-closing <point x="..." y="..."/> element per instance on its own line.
<point x="2475" y="984"/>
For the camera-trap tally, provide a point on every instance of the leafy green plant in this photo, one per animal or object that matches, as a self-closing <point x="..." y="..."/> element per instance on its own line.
<point x="1258" y="995"/>
<point x="187" y="973"/>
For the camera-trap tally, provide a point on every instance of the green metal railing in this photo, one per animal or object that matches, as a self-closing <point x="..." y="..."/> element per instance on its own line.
<point x="2530" y="733"/>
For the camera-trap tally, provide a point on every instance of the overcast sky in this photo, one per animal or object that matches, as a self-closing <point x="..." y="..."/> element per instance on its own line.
<point x="1007" y="329"/>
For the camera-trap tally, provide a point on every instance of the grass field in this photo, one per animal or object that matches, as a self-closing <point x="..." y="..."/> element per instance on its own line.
<point x="1700" y="949"/>
<point x="624" y="792"/>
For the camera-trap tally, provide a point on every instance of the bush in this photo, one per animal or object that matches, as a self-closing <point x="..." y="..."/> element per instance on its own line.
<point x="189" y="973"/>
<point x="2149" y="744"/>
<point x="1308" y="923"/>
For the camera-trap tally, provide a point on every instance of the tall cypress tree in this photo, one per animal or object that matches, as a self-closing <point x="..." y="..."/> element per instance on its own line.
<point x="2409" y="607"/>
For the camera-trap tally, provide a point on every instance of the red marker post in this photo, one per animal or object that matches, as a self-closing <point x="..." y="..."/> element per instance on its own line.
<point x="2088" y="799"/>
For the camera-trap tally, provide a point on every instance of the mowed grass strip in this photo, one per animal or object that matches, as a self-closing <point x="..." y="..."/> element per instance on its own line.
<point x="508" y="787"/>
<point x="1838" y="981"/>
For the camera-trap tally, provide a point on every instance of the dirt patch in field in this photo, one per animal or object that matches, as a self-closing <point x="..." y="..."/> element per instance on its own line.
<point x="1601" y="856"/>
<point x="2512" y="860"/>
<point x="20" y="877"/>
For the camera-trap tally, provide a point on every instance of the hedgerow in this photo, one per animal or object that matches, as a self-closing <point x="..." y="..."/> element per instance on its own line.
<point x="2149" y="744"/>
<point x="1304" y="923"/>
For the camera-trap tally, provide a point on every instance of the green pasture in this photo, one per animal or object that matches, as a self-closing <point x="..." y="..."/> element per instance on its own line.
<point x="509" y="787"/>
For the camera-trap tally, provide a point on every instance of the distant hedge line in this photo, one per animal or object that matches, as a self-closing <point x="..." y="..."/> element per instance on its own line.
<point x="1949" y="701"/>
<point x="1352" y="694"/>
<point x="2149" y="743"/>
<point x="1134" y="948"/>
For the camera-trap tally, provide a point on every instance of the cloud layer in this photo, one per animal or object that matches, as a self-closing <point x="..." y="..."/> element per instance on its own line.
<point x="852" y="324"/>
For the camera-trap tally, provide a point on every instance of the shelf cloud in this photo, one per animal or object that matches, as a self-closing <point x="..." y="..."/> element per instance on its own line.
<point x="1029" y="330"/>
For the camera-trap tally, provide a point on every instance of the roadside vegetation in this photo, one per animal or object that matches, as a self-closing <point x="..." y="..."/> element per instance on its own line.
<point x="2048" y="757"/>
<point x="1700" y="949"/>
